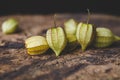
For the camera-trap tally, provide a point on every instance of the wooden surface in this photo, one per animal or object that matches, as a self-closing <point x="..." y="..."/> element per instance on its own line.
<point x="93" y="64"/>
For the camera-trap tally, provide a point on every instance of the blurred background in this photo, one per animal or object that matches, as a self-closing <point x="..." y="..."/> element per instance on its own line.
<point x="111" y="7"/>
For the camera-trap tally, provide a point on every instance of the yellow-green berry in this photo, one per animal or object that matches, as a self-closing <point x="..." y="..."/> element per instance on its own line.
<point x="9" y="26"/>
<point x="36" y="45"/>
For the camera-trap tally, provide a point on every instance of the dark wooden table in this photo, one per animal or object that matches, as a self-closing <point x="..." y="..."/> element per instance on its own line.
<point x="93" y="64"/>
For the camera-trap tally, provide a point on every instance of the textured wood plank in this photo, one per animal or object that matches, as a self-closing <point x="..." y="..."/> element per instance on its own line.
<point x="93" y="64"/>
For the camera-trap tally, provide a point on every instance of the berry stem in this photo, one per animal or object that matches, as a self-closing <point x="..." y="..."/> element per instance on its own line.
<point x="88" y="18"/>
<point x="117" y="38"/>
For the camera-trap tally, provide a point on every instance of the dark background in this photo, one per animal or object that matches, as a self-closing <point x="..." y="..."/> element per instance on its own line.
<point x="59" y="6"/>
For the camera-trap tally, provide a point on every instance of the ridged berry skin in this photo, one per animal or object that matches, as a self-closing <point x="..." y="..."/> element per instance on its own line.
<point x="56" y="39"/>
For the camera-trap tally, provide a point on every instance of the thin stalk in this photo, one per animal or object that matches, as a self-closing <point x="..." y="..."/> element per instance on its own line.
<point x="117" y="38"/>
<point x="88" y="18"/>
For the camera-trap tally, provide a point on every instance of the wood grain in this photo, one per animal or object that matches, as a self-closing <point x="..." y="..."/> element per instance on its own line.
<point x="93" y="64"/>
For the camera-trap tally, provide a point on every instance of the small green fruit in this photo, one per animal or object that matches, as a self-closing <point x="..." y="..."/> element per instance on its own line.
<point x="85" y="35"/>
<point x="70" y="30"/>
<point x="36" y="45"/>
<point x="9" y="26"/>
<point x="104" y="37"/>
<point x="56" y="39"/>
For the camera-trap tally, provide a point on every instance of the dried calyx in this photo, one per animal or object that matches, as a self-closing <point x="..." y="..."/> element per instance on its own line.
<point x="85" y="34"/>
<point x="105" y="37"/>
<point x="36" y="45"/>
<point x="70" y="28"/>
<point x="9" y="26"/>
<point x="56" y="39"/>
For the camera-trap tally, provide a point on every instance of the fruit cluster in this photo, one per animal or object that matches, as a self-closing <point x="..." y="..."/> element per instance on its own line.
<point x="57" y="38"/>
